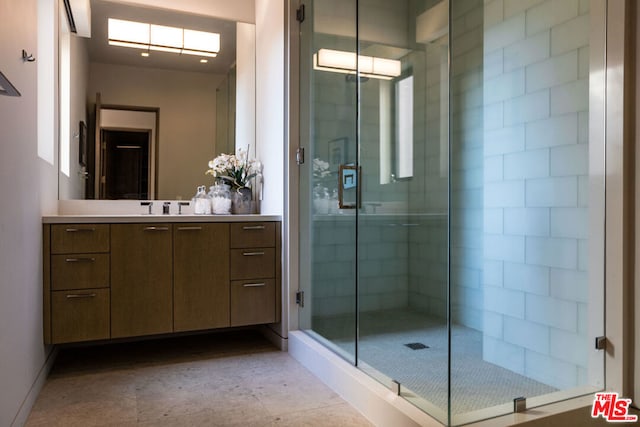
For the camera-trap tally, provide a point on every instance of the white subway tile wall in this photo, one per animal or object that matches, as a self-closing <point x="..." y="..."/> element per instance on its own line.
<point x="536" y="211"/>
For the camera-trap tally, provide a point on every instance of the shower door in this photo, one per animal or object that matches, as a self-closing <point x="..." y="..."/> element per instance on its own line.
<point x="451" y="198"/>
<point x="328" y="134"/>
<point x="374" y="191"/>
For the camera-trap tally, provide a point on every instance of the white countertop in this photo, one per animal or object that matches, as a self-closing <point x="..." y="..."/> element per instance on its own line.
<point x="146" y="218"/>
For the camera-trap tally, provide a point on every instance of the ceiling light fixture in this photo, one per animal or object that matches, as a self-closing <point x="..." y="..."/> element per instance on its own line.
<point x="145" y="54"/>
<point x="140" y="35"/>
<point x="204" y="61"/>
<point x="338" y="61"/>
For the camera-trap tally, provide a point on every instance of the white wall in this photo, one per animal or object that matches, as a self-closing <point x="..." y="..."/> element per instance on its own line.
<point x="187" y="103"/>
<point x="245" y="87"/>
<point x="73" y="186"/>
<point x="236" y="10"/>
<point x="28" y="187"/>
<point x="270" y="80"/>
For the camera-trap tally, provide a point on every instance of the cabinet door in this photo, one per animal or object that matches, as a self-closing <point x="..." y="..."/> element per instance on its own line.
<point x="253" y="235"/>
<point x="79" y="238"/>
<point x="201" y="276"/>
<point x="253" y="302"/>
<point x="141" y="274"/>
<point x="80" y="315"/>
<point x="252" y="263"/>
<point x="79" y="271"/>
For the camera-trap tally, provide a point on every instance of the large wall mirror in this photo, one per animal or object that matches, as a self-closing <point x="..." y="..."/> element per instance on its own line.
<point x="143" y="122"/>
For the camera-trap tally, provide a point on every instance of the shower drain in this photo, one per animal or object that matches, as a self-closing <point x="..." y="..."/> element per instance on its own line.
<point x="416" y="346"/>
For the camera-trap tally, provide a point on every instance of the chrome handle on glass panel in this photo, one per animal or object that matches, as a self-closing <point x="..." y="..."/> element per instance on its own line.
<point x="72" y="296"/>
<point x="348" y="179"/>
<point x="80" y="260"/>
<point x="253" y="227"/>
<point x="253" y="285"/>
<point x="253" y="253"/>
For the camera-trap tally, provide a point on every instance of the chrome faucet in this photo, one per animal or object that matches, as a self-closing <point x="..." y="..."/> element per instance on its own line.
<point x="149" y="204"/>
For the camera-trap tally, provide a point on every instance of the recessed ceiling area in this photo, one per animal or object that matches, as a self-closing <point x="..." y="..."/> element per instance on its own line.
<point x="100" y="50"/>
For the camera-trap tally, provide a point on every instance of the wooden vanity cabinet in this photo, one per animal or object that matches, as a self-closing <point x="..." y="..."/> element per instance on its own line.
<point x="201" y="276"/>
<point x="141" y="279"/>
<point x="104" y="281"/>
<point x="253" y="273"/>
<point x="77" y="284"/>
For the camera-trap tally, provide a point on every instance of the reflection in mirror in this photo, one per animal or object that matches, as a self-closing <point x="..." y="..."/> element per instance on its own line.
<point x="155" y="118"/>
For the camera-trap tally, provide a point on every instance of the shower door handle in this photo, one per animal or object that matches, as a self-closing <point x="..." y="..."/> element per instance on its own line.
<point x="348" y="179"/>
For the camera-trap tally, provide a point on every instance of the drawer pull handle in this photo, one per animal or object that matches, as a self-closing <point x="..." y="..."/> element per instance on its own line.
<point x="71" y="296"/>
<point x="189" y="228"/>
<point x="254" y="285"/>
<point x="80" y="260"/>
<point x="253" y="227"/>
<point x="156" y="229"/>
<point x="252" y="253"/>
<point x="77" y="230"/>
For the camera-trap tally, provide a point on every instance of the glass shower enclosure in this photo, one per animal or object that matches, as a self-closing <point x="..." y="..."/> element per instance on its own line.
<point x="445" y="201"/>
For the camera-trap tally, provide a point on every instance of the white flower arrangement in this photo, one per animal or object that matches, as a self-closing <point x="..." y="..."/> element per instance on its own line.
<point x="320" y="168"/>
<point x="236" y="170"/>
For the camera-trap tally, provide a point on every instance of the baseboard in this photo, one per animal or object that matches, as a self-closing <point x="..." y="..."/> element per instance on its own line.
<point x="274" y="338"/>
<point x="25" y="409"/>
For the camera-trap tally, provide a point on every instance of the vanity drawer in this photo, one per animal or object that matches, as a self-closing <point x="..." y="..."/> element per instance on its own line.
<point x="80" y="315"/>
<point x="253" y="302"/>
<point x="252" y="263"/>
<point x="79" y="238"/>
<point x="79" y="271"/>
<point x="253" y="235"/>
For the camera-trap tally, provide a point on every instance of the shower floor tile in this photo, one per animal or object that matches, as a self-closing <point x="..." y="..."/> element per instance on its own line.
<point x="476" y="384"/>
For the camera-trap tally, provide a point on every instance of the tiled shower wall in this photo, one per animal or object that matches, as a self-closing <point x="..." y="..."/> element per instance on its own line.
<point x="466" y="130"/>
<point x="383" y="253"/>
<point x="428" y="189"/>
<point x="430" y="186"/>
<point x="382" y="242"/>
<point x="535" y="155"/>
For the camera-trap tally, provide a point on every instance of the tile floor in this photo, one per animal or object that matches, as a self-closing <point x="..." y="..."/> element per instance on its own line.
<point x="383" y="335"/>
<point x="223" y="379"/>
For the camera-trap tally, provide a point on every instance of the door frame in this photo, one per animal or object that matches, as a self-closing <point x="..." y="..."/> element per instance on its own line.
<point x="154" y="145"/>
<point x="102" y="167"/>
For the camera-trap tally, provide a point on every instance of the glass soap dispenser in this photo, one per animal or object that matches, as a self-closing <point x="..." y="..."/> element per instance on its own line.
<point x="201" y="203"/>
<point x="220" y="195"/>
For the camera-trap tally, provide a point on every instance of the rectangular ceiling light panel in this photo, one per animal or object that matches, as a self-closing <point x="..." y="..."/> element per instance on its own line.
<point x="162" y="38"/>
<point x="128" y="32"/>
<point x="166" y="39"/>
<point x="338" y="61"/>
<point x="201" y="40"/>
